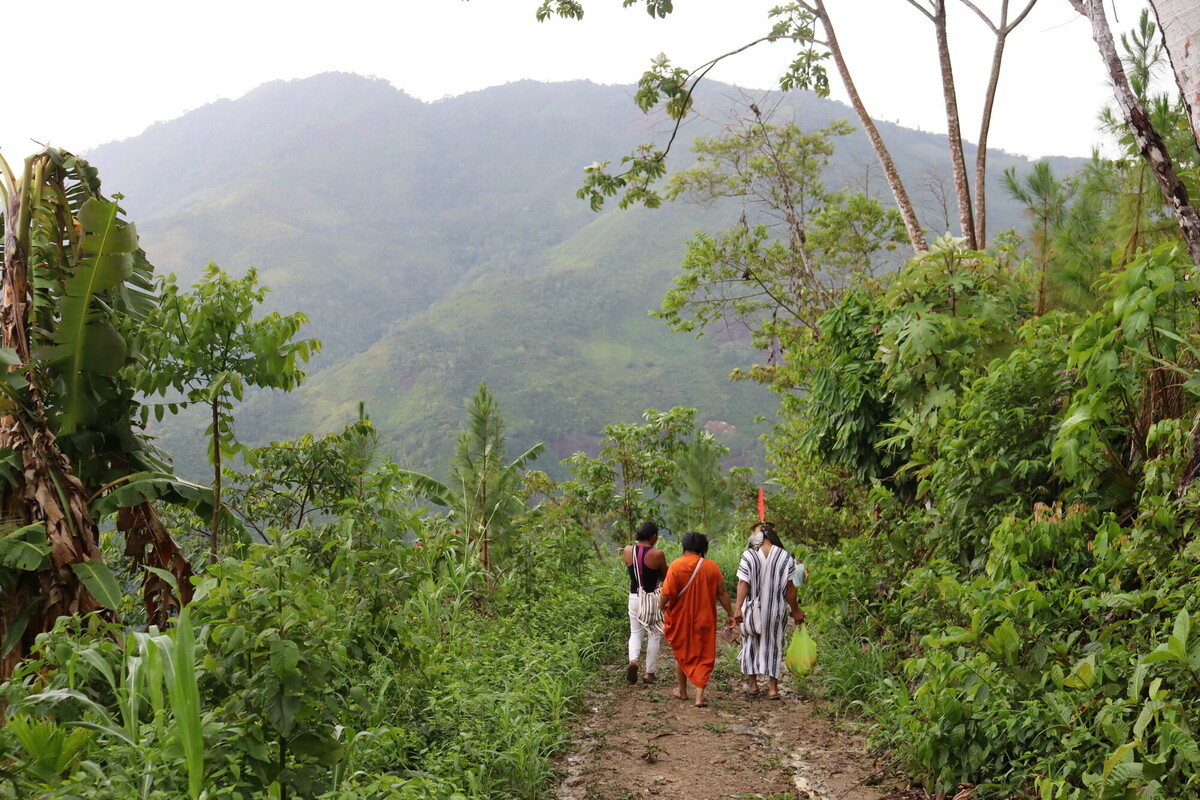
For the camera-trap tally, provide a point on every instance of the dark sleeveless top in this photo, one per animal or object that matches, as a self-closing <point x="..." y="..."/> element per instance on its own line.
<point x="651" y="577"/>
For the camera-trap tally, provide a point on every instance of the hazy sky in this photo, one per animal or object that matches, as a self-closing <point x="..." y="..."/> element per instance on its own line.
<point x="93" y="72"/>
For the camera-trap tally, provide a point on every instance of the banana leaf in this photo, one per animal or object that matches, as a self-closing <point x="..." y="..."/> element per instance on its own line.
<point x="140" y="487"/>
<point x="100" y="581"/>
<point x="25" y="548"/>
<point x="85" y="342"/>
<point x="432" y="489"/>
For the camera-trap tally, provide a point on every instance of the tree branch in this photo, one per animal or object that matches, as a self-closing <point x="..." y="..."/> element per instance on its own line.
<point x="1150" y="143"/>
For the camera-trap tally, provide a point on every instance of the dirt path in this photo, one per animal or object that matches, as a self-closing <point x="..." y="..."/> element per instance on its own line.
<point x="639" y="741"/>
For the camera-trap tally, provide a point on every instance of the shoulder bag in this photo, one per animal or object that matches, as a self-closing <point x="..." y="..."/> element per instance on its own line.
<point x="752" y="623"/>
<point x="751" y="617"/>
<point x="648" y="611"/>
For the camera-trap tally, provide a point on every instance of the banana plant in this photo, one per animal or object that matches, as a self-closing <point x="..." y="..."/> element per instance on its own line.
<point x="75" y="283"/>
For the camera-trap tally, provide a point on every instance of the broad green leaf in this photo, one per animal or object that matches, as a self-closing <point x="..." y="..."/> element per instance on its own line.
<point x="1118" y="756"/>
<point x="25" y="548"/>
<point x="1124" y="772"/>
<point x="432" y="489"/>
<point x="98" y="662"/>
<point x="104" y="349"/>
<point x="1180" y="741"/>
<point x="100" y="581"/>
<point x="1182" y="627"/>
<point x="317" y="747"/>
<point x="108" y="244"/>
<point x="100" y="219"/>
<point x="285" y="655"/>
<point x="58" y="695"/>
<point x="155" y="487"/>
<point x="1004" y="642"/>
<point x="1161" y="653"/>
<point x="1176" y="648"/>
<point x="1083" y="676"/>
<point x="281" y="710"/>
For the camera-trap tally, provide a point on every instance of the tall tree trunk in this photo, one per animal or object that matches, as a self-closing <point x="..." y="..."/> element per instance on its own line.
<point x="214" y="535"/>
<point x="903" y="203"/>
<point x="958" y="162"/>
<point x="1148" y="140"/>
<point x="1045" y="268"/>
<point x="981" y="155"/>
<point x="1179" y="21"/>
<point x="52" y="496"/>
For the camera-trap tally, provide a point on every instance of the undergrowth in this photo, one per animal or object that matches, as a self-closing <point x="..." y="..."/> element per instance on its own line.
<point x="315" y="669"/>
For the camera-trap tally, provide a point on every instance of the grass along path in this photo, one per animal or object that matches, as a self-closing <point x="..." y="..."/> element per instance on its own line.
<point x="639" y="741"/>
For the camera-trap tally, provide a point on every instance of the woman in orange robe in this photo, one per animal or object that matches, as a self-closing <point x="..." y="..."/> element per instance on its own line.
<point x="693" y="587"/>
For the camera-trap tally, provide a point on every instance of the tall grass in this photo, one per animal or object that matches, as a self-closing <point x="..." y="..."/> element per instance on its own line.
<point x="855" y="671"/>
<point x="111" y="690"/>
<point x="179" y="672"/>
<point x="421" y="681"/>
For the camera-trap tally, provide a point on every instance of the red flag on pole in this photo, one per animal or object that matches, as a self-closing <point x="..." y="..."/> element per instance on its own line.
<point x="762" y="506"/>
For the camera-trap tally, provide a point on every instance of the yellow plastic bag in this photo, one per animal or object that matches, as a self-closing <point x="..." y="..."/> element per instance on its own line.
<point x="801" y="653"/>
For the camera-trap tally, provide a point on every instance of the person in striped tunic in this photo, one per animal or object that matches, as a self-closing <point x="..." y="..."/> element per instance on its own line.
<point x="765" y="579"/>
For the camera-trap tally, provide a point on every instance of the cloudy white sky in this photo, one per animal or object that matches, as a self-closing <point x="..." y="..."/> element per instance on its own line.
<point x="93" y="72"/>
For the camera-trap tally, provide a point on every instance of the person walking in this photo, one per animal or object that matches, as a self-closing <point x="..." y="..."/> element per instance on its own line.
<point x="765" y="595"/>
<point x="690" y="594"/>
<point x="646" y="565"/>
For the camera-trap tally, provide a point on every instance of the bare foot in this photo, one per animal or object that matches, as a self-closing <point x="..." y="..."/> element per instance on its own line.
<point x="701" y="705"/>
<point x="678" y="694"/>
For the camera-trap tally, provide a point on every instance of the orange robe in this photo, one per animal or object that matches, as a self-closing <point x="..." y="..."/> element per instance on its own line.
<point x="690" y="624"/>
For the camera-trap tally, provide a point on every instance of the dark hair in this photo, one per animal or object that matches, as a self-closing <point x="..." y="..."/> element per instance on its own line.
<point x="768" y="532"/>
<point x="694" y="542"/>
<point x="646" y="531"/>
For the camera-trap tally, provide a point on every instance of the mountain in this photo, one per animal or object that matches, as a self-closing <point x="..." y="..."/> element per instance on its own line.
<point x="438" y="245"/>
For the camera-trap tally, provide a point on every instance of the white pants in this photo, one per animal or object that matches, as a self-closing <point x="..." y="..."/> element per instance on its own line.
<point x="636" y="629"/>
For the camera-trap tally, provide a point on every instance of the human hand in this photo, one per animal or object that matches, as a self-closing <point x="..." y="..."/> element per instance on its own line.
<point x="799" y="616"/>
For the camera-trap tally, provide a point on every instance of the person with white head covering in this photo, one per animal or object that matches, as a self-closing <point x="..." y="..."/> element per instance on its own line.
<point x="766" y="592"/>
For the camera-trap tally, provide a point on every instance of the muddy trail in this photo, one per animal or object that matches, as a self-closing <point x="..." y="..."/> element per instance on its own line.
<point x="638" y="740"/>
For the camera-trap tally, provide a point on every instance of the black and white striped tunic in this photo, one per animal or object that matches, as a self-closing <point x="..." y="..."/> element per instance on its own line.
<point x="769" y="576"/>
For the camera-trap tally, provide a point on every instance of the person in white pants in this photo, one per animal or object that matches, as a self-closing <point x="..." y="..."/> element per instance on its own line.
<point x="646" y="565"/>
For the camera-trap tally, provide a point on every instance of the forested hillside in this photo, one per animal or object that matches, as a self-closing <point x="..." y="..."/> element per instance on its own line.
<point x="437" y="245"/>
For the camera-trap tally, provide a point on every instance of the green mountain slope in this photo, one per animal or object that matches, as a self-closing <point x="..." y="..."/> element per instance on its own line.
<point x="435" y="246"/>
